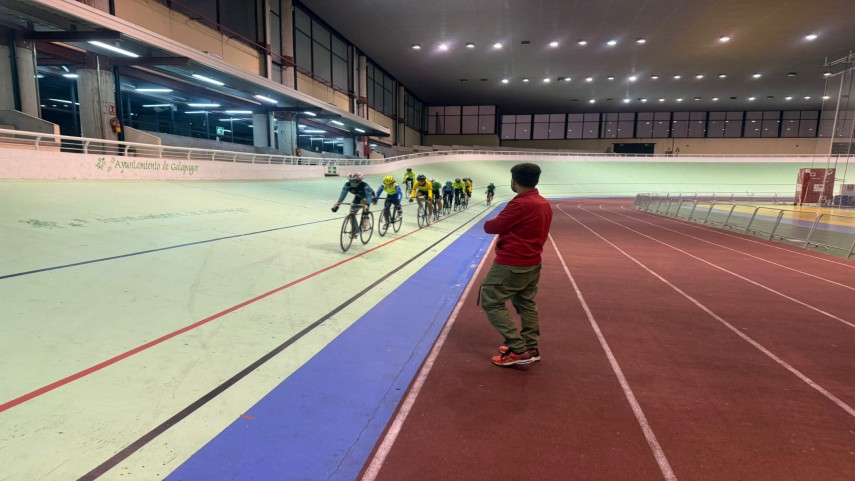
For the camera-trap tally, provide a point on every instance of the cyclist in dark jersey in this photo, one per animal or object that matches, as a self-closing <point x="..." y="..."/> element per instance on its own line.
<point x="363" y="195"/>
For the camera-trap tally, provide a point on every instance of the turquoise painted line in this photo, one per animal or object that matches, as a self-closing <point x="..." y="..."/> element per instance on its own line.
<point x="325" y="419"/>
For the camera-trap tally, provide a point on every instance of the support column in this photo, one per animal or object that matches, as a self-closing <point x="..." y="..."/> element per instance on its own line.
<point x="7" y="91"/>
<point x="287" y="32"/>
<point x="347" y="146"/>
<point x="286" y="136"/>
<point x="362" y="92"/>
<point x="96" y="90"/>
<point x="20" y="89"/>
<point x="261" y="130"/>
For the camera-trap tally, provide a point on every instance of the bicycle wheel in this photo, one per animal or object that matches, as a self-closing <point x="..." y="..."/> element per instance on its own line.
<point x="421" y="216"/>
<point x="346" y="233"/>
<point x="428" y="215"/>
<point x="383" y="225"/>
<point x="398" y="220"/>
<point x="367" y="231"/>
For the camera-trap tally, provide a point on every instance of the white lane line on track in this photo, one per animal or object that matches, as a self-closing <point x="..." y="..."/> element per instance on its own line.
<point x="851" y="288"/>
<point x="847" y="408"/>
<point x="792" y="250"/>
<point x="385" y="447"/>
<point x="658" y="453"/>
<point x="762" y="286"/>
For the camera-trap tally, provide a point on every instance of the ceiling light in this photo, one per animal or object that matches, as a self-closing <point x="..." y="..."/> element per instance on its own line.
<point x="757" y="75"/>
<point x="724" y="39"/>
<point x="416" y="46"/>
<point x="589" y="79"/>
<point x="154" y="90"/>
<point x="65" y="68"/>
<point x="792" y="74"/>
<point x="359" y="130"/>
<point x="203" y="105"/>
<point x="592" y="101"/>
<point x="443" y="47"/>
<point x="811" y="37"/>
<point x="196" y="112"/>
<point x="770" y="97"/>
<point x="266" y="99"/>
<point x="697" y="98"/>
<point x="679" y="100"/>
<point x="807" y="97"/>
<point x="826" y="97"/>
<point x="788" y="98"/>
<point x="504" y="80"/>
<point x="699" y="76"/>
<point x="611" y="43"/>
<point x="336" y="122"/>
<point x="722" y="75"/>
<point x="238" y="111"/>
<point x="113" y="49"/>
<point x="553" y="44"/>
<point x="314" y="131"/>
<point x="643" y="100"/>
<point x="61" y="101"/>
<point x="654" y="77"/>
<point x="661" y="100"/>
<point x="69" y="75"/>
<point x="525" y="79"/>
<point x="546" y="80"/>
<point x="826" y="74"/>
<point x="626" y="101"/>
<point x="156" y="105"/>
<point x="310" y="113"/>
<point x="751" y="99"/>
<point x="715" y="99"/>
<point x="207" y="79"/>
<point x="497" y="45"/>
<point x="678" y="77"/>
<point x="583" y="42"/>
<point x="610" y="78"/>
<point x="633" y="78"/>
<point x="640" y="41"/>
<point x="470" y="45"/>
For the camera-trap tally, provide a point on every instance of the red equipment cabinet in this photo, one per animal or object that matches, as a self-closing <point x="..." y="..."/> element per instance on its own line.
<point x="815" y="186"/>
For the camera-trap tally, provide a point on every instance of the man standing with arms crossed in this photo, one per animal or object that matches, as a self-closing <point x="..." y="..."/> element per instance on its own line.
<point x="522" y="226"/>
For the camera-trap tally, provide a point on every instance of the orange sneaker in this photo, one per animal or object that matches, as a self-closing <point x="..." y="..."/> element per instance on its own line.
<point x="511" y="358"/>
<point x="535" y="352"/>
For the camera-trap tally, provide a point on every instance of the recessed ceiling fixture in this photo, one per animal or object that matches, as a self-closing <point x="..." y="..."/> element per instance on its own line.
<point x="464" y="80"/>
<point x="722" y="75"/>
<point x="751" y="99"/>
<point x="154" y="90"/>
<point x="733" y="98"/>
<point x="697" y="98"/>
<point x="470" y="45"/>
<point x="679" y="100"/>
<point x="715" y="99"/>
<point x="583" y="42"/>
<point x="359" y="130"/>
<point x="238" y="112"/>
<point x="592" y="101"/>
<point x="336" y="122"/>
<point x="678" y="77"/>
<point x="826" y="97"/>
<point x="546" y="80"/>
<point x="553" y="44"/>
<point x="811" y="37"/>
<point x="497" y="45"/>
<point x="416" y="46"/>
<point x="266" y="99"/>
<point x="443" y="46"/>
<point x="484" y="80"/>
<point x="654" y="77"/>
<point x="770" y="97"/>
<point x="611" y="43"/>
<point x="807" y="97"/>
<point x="724" y="39"/>
<point x="757" y="75"/>
<point x="525" y="42"/>
<point x="504" y="80"/>
<point x="610" y="77"/>
<point x="788" y="98"/>
<point x="626" y="101"/>
<point x="589" y="79"/>
<point x="640" y="41"/>
<point x="525" y="79"/>
<point x="699" y="76"/>
<point x="643" y="100"/>
<point x="633" y="78"/>
<point x="113" y="49"/>
<point x="203" y="105"/>
<point x="826" y="74"/>
<point x="661" y="100"/>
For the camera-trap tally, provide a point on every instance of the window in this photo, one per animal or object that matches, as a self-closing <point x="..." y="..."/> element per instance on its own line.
<point x="680" y="125"/>
<point x="380" y="87"/>
<point x="762" y="124"/>
<point x="697" y="124"/>
<point x="516" y="127"/>
<point x="233" y="19"/>
<point x="618" y="126"/>
<point x="797" y="123"/>
<point x="548" y="126"/>
<point x="479" y="119"/>
<point x="644" y="125"/>
<point x="413" y="115"/>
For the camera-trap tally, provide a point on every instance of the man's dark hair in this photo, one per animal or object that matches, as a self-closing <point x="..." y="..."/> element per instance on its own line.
<point x="526" y="175"/>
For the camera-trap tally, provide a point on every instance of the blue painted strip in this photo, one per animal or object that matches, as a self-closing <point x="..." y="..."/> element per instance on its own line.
<point x="323" y="421"/>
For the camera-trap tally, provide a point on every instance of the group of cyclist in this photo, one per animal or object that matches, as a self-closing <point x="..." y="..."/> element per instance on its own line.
<point x="421" y="188"/>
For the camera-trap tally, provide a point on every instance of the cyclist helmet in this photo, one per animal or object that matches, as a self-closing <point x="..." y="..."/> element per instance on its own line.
<point x="448" y="183"/>
<point x="457" y="180"/>
<point x="409" y="169"/>
<point x="432" y="180"/>
<point x="421" y="178"/>
<point x="355" y="176"/>
<point x="388" y="180"/>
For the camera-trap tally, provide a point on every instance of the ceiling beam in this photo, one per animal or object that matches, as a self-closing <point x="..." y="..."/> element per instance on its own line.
<point x="54" y="50"/>
<point x="72" y="36"/>
<point x="151" y="61"/>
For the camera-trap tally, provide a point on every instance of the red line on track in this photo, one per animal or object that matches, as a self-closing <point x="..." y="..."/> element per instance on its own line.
<point x="113" y="360"/>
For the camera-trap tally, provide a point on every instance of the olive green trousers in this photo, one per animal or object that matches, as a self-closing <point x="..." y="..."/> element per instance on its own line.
<point x="519" y="285"/>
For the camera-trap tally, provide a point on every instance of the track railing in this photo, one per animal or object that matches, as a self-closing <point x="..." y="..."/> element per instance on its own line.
<point x="828" y="231"/>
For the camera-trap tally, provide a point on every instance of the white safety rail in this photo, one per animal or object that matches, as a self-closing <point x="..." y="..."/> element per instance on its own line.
<point x="808" y="228"/>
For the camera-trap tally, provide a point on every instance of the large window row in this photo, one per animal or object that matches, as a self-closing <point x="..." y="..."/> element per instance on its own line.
<point x="381" y="89"/>
<point x="467" y="119"/>
<point x="319" y="51"/>
<point x="226" y="16"/>
<point x="652" y="125"/>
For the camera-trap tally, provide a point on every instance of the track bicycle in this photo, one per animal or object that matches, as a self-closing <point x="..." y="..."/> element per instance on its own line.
<point x="423" y="214"/>
<point x="489" y="198"/>
<point x="447" y="201"/>
<point x="352" y="228"/>
<point x="387" y="219"/>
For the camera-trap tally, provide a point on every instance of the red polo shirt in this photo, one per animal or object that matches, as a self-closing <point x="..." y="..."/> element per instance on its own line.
<point x="523" y="226"/>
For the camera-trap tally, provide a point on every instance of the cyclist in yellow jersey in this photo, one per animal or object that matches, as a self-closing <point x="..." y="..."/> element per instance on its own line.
<point x="468" y="182"/>
<point x="459" y="187"/>
<point x="409" y="178"/>
<point x="421" y="189"/>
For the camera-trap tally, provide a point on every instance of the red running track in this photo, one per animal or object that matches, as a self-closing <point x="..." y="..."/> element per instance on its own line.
<point x="670" y="351"/>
